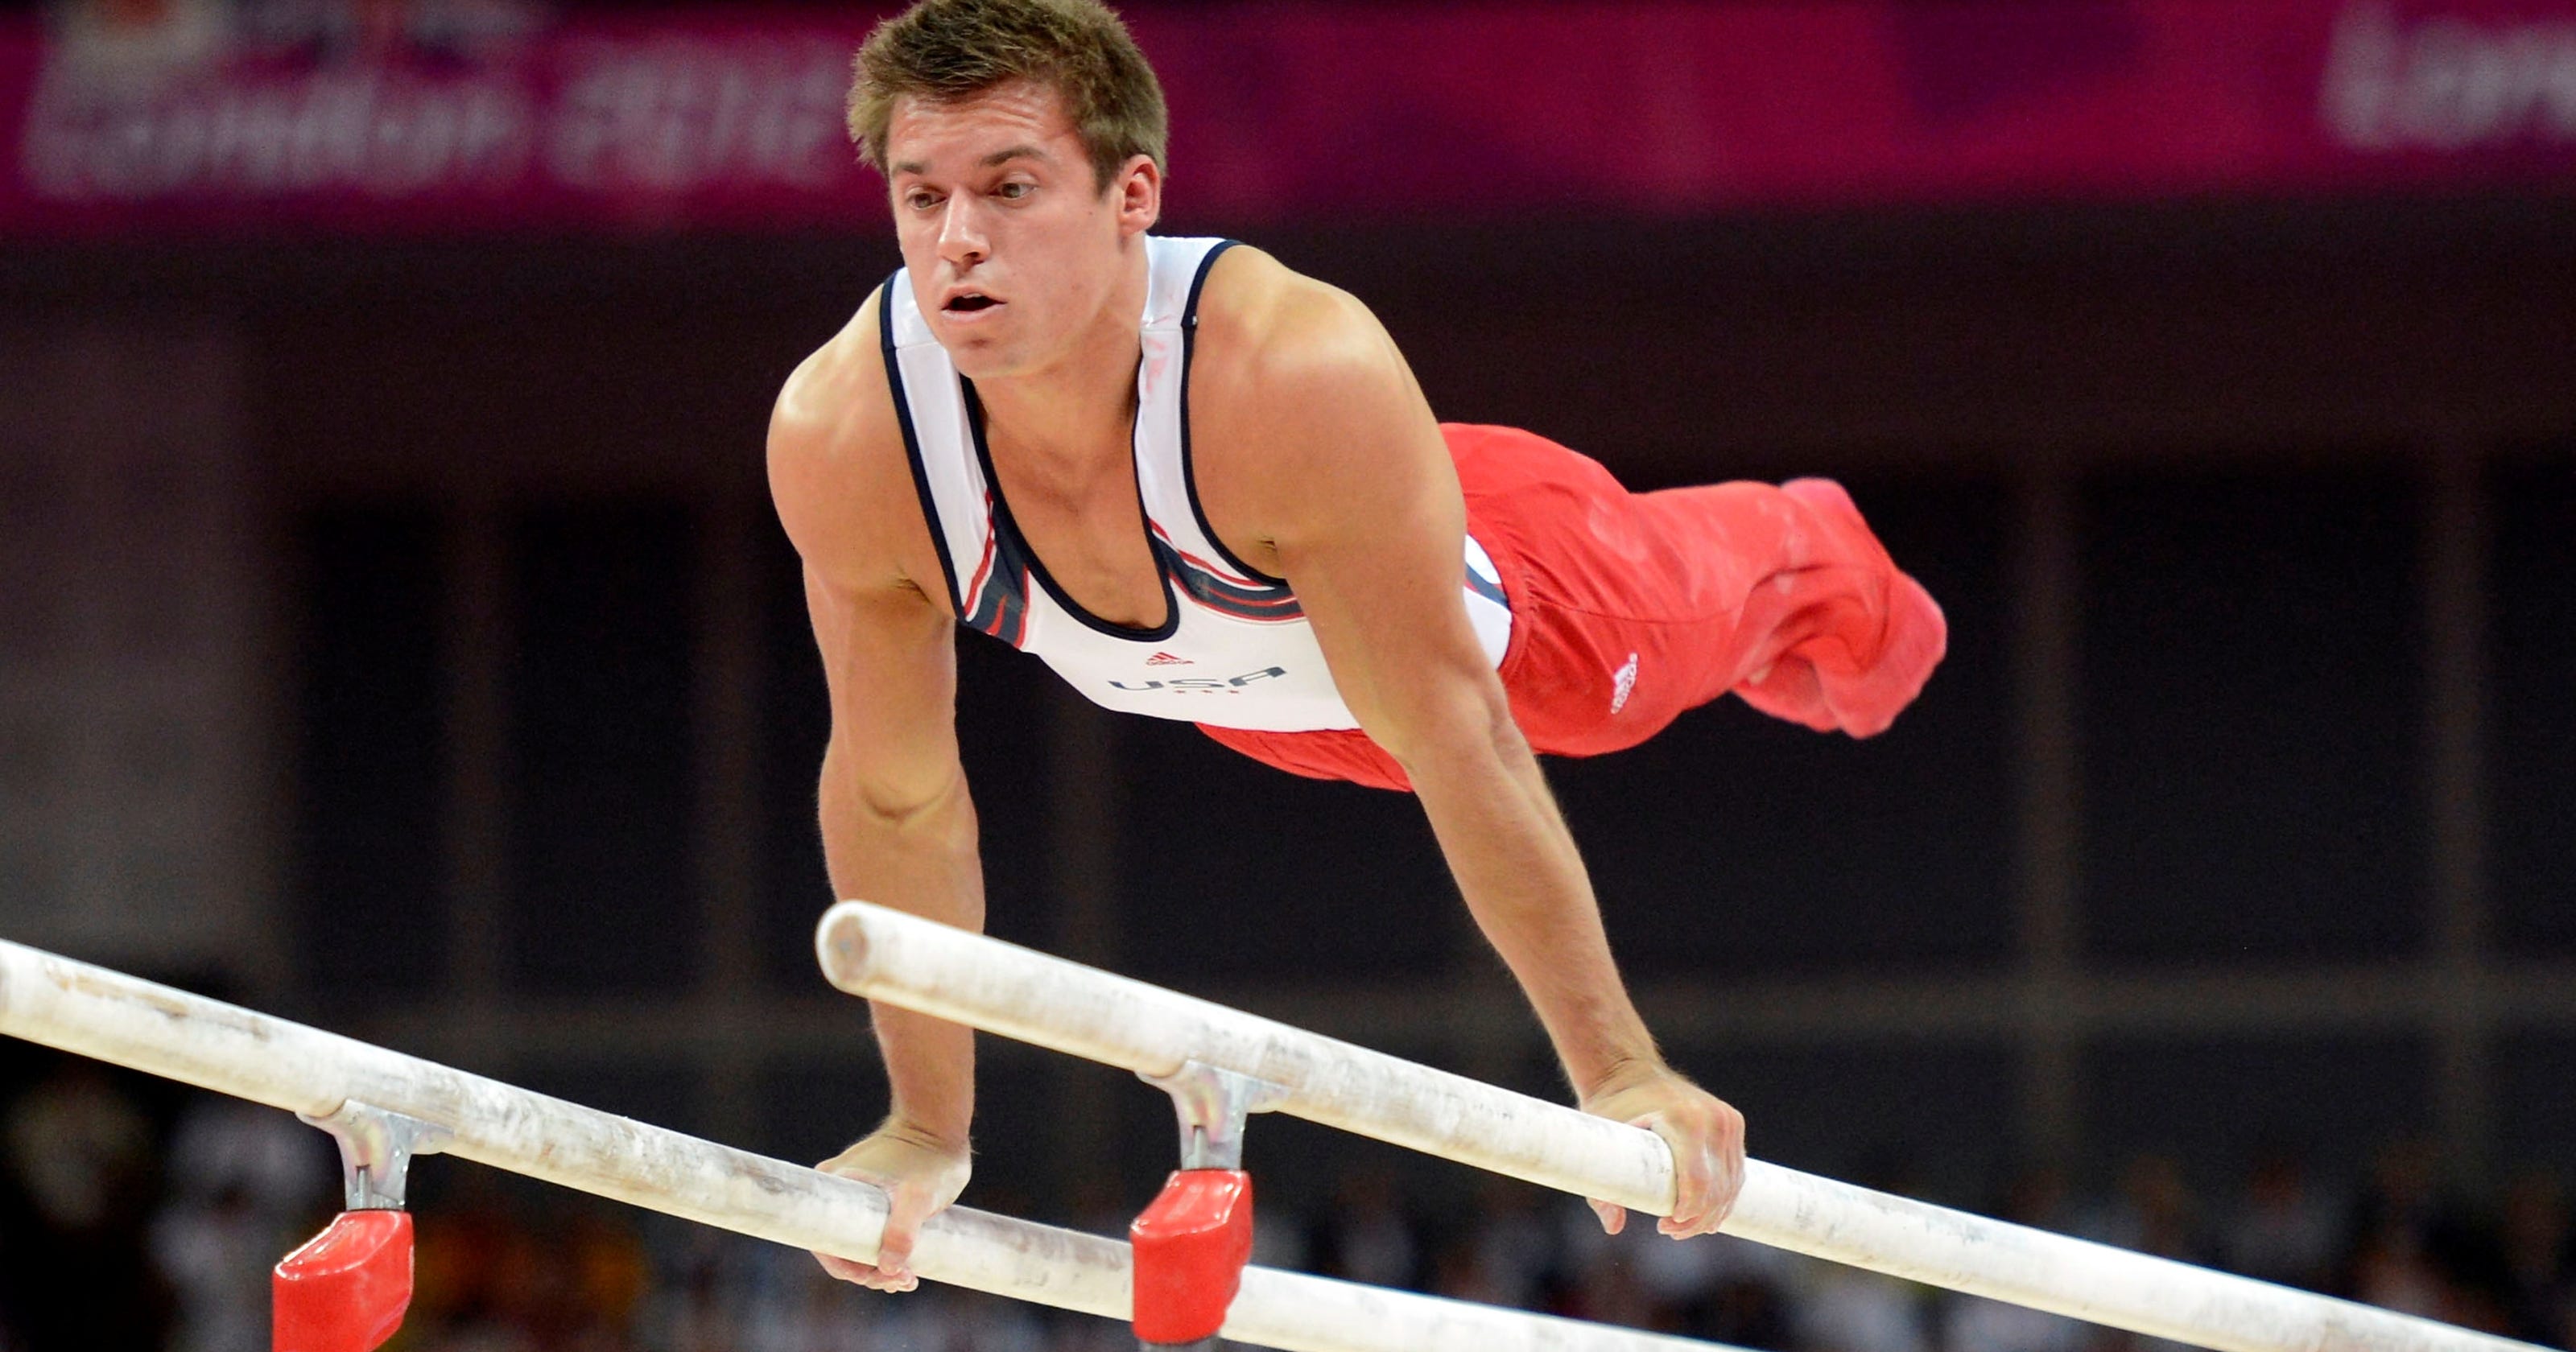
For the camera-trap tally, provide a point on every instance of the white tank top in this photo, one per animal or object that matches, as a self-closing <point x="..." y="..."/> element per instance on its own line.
<point x="1235" y="649"/>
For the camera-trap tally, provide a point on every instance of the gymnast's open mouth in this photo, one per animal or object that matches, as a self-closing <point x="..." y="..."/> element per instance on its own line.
<point x="969" y="302"/>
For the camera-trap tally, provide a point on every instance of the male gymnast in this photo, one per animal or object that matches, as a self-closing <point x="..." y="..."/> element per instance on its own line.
<point x="1201" y="486"/>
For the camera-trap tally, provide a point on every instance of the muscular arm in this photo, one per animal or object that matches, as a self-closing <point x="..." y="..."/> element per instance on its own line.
<point x="1369" y="534"/>
<point x="1353" y="485"/>
<point x="898" y="825"/>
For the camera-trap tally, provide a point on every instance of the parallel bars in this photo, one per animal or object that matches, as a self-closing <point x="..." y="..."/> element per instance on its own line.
<point x="153" y="1028"/>
<point x="1002" y="988"/>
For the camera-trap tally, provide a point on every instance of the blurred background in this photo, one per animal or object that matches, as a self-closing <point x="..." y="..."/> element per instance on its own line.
<point x="394" y="634"/>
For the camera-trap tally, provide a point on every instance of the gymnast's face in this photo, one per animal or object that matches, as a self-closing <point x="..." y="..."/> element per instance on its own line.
<point x="1015" y="251"/>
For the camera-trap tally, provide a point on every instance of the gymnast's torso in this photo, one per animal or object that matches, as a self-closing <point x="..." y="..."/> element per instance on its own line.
<point x="1233" y="649"/>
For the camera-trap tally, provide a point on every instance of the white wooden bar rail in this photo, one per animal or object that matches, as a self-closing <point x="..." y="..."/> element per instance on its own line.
<point x="1002" y="988"/>
<point x="117" y="1018"/>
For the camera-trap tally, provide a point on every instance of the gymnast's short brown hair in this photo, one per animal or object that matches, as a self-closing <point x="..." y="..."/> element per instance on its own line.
<point x="951" y="50"/>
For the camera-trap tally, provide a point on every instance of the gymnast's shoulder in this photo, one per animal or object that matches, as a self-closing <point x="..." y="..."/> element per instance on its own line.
<point x="1264" y="324"/>
<point x="1290" y="380"/>
<point x="837" y="471"/>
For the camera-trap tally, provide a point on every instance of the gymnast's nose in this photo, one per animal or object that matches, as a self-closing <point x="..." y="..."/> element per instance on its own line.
<point x="963" y="242"/>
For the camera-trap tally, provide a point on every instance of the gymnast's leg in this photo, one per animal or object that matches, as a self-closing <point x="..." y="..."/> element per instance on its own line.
<point x="1633" y="607"/>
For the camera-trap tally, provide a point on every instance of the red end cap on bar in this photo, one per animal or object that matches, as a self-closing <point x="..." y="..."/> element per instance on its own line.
<point x="347" y="1288"/>
<point x="1191" y="1246"/>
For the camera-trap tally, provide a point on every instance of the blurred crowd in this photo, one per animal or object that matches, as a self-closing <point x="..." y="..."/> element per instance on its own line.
<point x="134" y="1222"/>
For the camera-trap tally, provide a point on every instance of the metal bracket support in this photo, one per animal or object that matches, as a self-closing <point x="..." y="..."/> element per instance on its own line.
<point x="377" y="1147"/>
<point x="1213" y="1105"/>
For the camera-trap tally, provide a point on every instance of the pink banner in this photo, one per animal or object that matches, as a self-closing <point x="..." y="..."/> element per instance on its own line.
<point x="596" y="124"/>
<point x="379" y="118"/>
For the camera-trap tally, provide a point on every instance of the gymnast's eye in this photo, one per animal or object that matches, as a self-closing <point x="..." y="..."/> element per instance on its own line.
<point x="1014" y="190"/>
<point x="921" y="199"/>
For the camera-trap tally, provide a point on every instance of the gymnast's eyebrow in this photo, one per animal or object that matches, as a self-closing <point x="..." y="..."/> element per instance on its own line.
<point x="997" y="158"/>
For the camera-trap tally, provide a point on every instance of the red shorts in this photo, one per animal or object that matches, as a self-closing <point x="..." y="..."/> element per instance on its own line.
<point x="1628" y="608"/>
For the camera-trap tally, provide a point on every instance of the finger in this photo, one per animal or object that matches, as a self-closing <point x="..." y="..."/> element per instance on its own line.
<point x="894" y="1252"/>
<point x="1731" y="1164"/>
<point x="1692" y="1226"/>
<point x="861" y="1274"/>
<point x="1695" y="1210"/>
<point x="1730" y="1185"/>
<point x="1724" y="1181"/>
<point x="1683" y="1225"/>
<point x="1694" y="1177"/>
<point x="878" y="1279"/>
<point x="1613" y="1218"/>
<point x="894" y="1258"/>
<point x="846" y="1270"/>
<point x="1719" y="1203"/>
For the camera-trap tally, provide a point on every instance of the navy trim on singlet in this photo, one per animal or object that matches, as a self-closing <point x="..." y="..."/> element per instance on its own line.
<point x="1003" y="609"/>
<point x="912" y="447"/>
<point x="1009" y="542"/>
<point x="1217" y="593"/>
<point x="1189" y="468"/>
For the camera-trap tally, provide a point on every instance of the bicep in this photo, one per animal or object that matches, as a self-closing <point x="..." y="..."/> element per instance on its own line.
<point x="838" y="480"/>
<point x="1378" y="563"/>
<point x="890" y="662"/>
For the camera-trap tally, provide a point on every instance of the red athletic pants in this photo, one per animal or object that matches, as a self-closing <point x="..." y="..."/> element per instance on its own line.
<point x="1628" y="608"/>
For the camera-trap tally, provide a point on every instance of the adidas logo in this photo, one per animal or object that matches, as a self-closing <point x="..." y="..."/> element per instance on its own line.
<point x="1163" y="659"/>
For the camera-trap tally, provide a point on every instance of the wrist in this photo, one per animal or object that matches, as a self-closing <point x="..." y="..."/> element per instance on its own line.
<point x="904" y="1127"/>
<point x="1615" y="1072"/>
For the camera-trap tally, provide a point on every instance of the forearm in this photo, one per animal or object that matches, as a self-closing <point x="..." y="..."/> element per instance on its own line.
<point x="1524" y="881"/>
<point x="921" y="859"/>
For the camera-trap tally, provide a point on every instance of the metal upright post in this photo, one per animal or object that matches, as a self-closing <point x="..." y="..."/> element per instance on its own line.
<point x="346" y="1289"/>
<point x="1192" y="1244"/>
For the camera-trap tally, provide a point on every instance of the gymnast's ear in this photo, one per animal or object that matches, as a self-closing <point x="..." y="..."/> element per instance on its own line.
<point x="1136" y="192"/>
